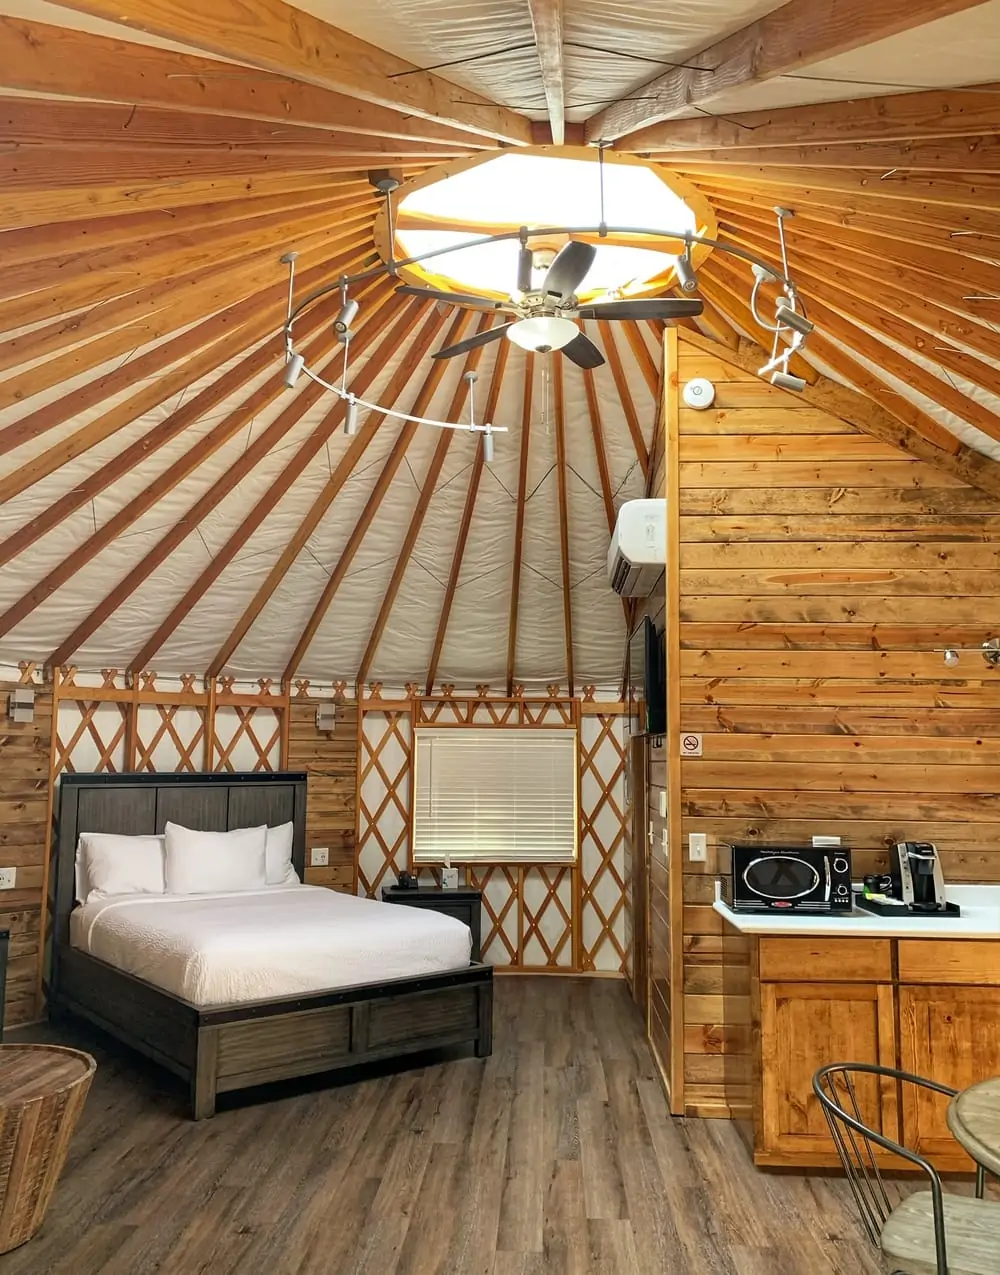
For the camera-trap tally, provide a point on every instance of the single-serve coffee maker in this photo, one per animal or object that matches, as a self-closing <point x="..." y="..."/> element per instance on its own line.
<point x="917" y="877"/>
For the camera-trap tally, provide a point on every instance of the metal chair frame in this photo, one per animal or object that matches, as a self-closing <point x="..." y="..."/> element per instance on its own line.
<point x="853" y="1140"/>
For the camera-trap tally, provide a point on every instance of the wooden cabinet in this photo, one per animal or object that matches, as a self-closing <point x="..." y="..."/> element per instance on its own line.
<point x="803" y="1025"/>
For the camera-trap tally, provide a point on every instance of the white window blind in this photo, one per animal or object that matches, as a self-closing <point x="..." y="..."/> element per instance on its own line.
<point x="495" y="795"/>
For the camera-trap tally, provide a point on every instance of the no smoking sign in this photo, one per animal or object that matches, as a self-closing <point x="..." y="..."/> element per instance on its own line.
<point x="690" y="745"/>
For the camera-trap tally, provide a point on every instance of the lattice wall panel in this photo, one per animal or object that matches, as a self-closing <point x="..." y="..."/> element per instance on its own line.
<point x="501" y="917"/>
<point x="604" y="944"/>
<point x="246" y="738"/>
<point x="90" y="736"/>
<point x="547" y="918"/>
<point x="384" y="797"/>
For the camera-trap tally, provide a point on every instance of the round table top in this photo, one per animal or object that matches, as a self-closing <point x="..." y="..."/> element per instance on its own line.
<point x="28" y="1072"/>
<point x="974" y="1120"/>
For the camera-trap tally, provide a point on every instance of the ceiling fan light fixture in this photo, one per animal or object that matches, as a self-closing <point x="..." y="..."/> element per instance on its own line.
<point x="543" y="333"/>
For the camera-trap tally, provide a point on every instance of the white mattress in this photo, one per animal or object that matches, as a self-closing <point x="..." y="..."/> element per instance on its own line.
<point x="223" y="949"/>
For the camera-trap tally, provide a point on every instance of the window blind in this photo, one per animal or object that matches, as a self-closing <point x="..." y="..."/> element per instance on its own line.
<point x="495" y="795"/>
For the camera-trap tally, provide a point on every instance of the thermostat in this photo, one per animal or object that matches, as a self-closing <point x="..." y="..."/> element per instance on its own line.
<point x="699" y="393"/>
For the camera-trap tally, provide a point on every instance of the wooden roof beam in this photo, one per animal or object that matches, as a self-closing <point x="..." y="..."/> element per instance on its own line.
<point x="624" y="393"/>
<point x="275" y="37"/>
<point x="427" y="490"/>
<point x="600" y="452"/>
<point x="559" y="402"/>
<point x="785" y="40"/>
<point x="496" y="382"/>
<point x="56" y="61"/>
<point x="952" y="155"/>
<point x="522" y="496"/>
<point x="547" y="24"/>
<point x="382" y="484"/>
<point x="965" y="112"/>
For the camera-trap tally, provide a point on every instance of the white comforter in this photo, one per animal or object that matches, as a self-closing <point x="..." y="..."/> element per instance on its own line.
<point x="221" y="949"/>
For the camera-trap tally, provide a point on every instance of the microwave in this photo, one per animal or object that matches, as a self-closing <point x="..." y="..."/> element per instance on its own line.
<point x="760" y="878"/>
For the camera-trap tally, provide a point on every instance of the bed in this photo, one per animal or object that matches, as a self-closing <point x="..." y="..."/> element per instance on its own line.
<point x="222" y="990"/>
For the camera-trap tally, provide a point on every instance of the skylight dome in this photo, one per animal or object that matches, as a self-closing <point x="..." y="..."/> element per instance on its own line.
<point x="545" y="187"/>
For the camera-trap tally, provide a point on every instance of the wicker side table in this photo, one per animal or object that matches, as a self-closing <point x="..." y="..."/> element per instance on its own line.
<point x="42" y="1092"/>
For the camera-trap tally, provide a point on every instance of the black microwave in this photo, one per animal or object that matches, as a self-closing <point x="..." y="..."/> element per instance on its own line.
<point x="784" y="878"/>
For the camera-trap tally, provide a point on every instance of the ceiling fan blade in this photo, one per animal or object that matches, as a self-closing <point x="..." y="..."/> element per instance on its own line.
<point x="665" y="308"/>
<point x="473" y="342"/>
<point x="583" y="352"/>
<point x="569" y="269"/>
<point x="525" y="264"/>
<point x="452" y="298"/>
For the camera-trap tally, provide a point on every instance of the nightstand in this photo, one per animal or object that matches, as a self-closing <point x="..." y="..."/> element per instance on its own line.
<point x="465" y="905"/>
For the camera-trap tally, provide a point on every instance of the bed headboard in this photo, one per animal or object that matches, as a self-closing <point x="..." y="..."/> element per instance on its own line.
<point x="137" y="804"/>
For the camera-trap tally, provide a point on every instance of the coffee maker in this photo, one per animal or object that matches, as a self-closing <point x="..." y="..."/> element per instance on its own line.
<point x="917" y="878"/>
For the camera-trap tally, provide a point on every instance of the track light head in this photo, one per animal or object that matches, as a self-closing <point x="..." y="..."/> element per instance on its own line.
<point x="790" y="318"/>
<point x="786" y="381"/>
<point x="342" y="323"/>
<point x="351" y="418"/>
<point x="488" y="447"/>
<point x="686" y="276"/>
<point x="991" y="652"/>
<point x="293" y="370"/>
<point x="951" y="657"/>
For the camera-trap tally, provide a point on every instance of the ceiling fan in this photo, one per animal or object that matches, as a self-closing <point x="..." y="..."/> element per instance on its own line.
<point x="545" y="311"/>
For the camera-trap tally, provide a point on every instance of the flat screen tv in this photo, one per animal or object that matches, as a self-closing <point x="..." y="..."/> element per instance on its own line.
<point x="646" y="680"/>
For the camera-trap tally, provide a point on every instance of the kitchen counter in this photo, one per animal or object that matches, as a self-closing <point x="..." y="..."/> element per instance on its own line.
<point x="980" y="919"/>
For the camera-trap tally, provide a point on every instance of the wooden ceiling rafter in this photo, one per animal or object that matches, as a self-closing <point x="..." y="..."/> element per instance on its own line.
<point x="471" y="495"/>
<point x="317" y="511"/>
<point x="427" y="490"/>
<point x="562" y="489"/>
<point x="648" y="366"/>
<point x="56" y="61"/>
<point x="547" y="19"/>
<point x="387" y="473"/>
<point x="527" y="398"/>
<point x="789" y="38"/>
<point x="952" y="155"/>
<point x="304" y="456"/>
<point x="255" y="452"/>
<point x="902" y="117"/>
<point x="601" y="455"/>
<point x="291" y="42"/>
<point x="613" y="356"/>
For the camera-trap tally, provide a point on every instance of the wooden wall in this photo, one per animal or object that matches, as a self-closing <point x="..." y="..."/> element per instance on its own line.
<point x="818" y="571"/>
<point x="331" y="761"/>
<point x="24" y="798"/>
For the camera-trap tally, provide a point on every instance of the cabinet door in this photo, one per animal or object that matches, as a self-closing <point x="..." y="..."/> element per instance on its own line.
<point x="948" y="1034"/>
<point x="805" y="1026"/>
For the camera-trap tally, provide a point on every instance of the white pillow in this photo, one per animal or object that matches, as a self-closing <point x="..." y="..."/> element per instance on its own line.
<point x="215" y="862"/>
<point x="279" y="855"/>
<point x="107" y="863"/>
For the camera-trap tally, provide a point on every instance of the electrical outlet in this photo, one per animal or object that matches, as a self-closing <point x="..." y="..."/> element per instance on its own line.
<point x="8" y="878"/>
<point x="319" y="857"/>
<point x="698" y="846"/>
<point x="663" y="803"/>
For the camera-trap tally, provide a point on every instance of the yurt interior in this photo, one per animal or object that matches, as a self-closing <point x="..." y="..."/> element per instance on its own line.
<point x="500" y="637"/>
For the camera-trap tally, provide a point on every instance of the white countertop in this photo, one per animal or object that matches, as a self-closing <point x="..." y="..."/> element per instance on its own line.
<point x="980" y="919"/>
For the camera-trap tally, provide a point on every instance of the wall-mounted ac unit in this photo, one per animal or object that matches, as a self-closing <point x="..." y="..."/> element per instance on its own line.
<point x="638" y="553"/>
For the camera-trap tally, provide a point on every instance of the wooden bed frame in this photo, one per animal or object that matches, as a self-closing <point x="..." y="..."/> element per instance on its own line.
<point x="229" y="1047"/>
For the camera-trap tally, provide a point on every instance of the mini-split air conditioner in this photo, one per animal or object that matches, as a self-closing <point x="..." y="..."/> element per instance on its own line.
<point x="638" y="553"/>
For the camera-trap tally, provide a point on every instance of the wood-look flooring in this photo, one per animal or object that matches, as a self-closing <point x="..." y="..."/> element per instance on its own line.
<point x="556" y="1156"/>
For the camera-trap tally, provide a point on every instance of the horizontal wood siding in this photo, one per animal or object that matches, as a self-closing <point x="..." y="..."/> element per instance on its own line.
<point x="330" y="759"/>
<point x="820" y="576"/>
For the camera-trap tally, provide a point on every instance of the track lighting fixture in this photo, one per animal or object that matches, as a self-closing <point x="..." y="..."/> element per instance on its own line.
<point x="351" y="417"/>
<point x="684" y="271"/>
<point x="488" y="447"/>
<point x="788" y="381"/>
<point x="789" y="318"/>
<point x="990" y="651"/>
<point x="951" y="657"/>
<point x="342" y="323"/>
<point x="293" y="370"/>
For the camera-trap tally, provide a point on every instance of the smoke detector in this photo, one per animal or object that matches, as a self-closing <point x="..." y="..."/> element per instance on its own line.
<point x="699" y="394"/>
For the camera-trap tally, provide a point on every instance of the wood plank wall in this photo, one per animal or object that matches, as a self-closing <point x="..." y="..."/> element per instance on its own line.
<point x="330" y="759"/>
<point x="819" y="569"/>
<point x="24" y="809"/>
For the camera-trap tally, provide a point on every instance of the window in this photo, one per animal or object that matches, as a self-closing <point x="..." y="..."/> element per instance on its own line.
<point x="495" y="795"/>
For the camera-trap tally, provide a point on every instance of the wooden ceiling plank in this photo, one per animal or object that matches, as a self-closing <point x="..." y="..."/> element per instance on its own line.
<point x="190" y="411"/>
<point x="303" y="457"/>
<point x="877" y="411"/>
<point x="547" y="18"/>
<point x="972" y="155"/>
<point x="53" y="60"/>
<point x="522" y="496"/>
<point x="428" y="487"/>
<point x="382" y="484"/>
<point x="496" y="383"/>
<point x="789" y="38"/>
<point x="323" y="501"/>
<point x="254" y="453"/>
<point x="286" y="41"/>
<point x="149" y="364"/>
<point x="624" y="393"/>
<point x="563" y="495"/>
<point x="964" y="112"/>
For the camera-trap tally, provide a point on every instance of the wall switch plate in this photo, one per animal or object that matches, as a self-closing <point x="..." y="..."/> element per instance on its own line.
<point x="663" y="803"/>
<point x="8" y="878"/>
<point x="698" y="847"/>
<point x="319" y="857"/>
<point x="826" y="841"/>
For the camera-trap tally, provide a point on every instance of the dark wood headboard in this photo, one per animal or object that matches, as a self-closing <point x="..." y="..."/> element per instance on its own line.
<point x="142" y="804"/>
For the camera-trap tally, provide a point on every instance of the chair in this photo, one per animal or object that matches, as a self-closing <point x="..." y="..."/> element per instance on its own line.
<point x="929" y="1233"/>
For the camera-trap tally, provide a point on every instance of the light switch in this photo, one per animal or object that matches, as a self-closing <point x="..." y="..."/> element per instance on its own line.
<point x="698" y="846"/>
<point x="319" y="857"/>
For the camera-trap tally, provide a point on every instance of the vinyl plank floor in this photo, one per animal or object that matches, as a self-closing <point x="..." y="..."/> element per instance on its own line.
<point x="556" y="1156"/>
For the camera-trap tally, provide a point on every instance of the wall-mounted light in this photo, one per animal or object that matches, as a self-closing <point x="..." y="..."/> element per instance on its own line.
<point x="326" y="716"/>
<point x="21" y="705"/>
<point x="989" y="650"/>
